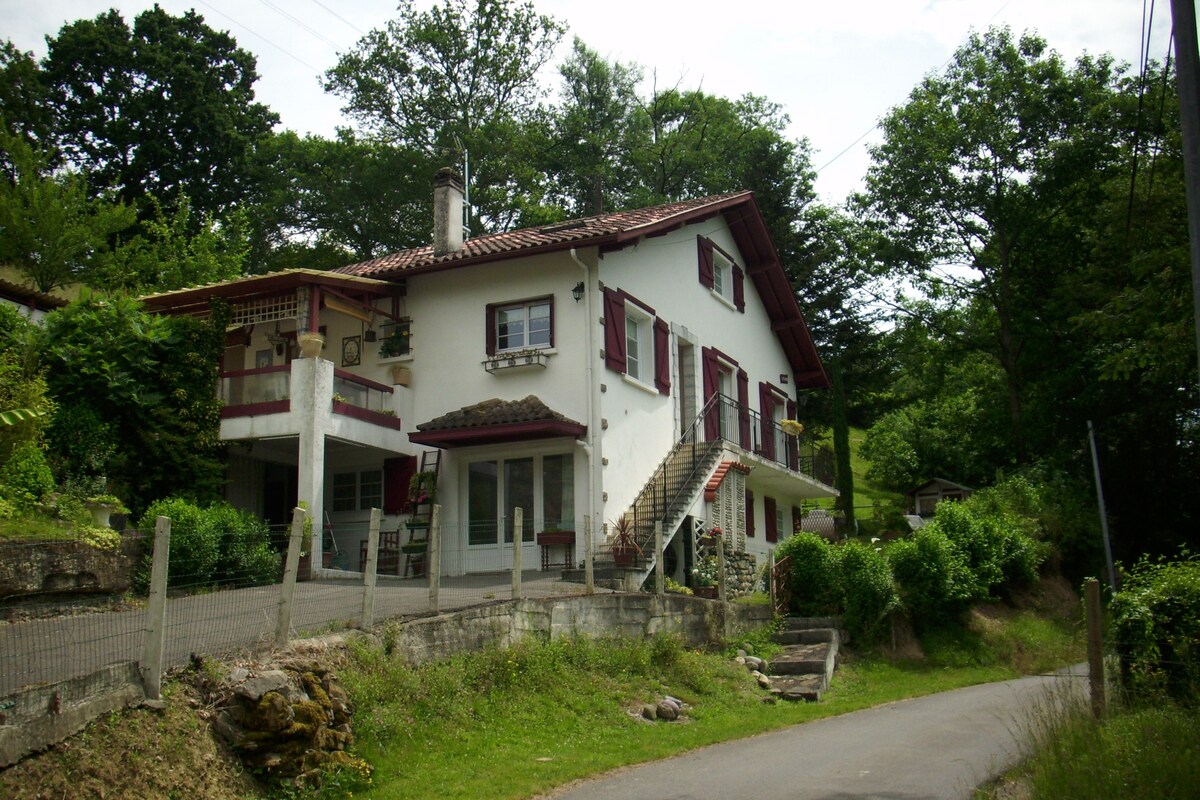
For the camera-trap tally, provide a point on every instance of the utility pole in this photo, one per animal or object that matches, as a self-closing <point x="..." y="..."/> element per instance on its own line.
<point x="1187" y="84"/>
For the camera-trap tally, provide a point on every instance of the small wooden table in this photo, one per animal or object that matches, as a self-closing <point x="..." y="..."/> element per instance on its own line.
<point x="564" y="539"/>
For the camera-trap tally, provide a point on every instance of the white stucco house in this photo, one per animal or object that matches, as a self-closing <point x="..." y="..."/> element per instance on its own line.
<point x="638" y="363"/>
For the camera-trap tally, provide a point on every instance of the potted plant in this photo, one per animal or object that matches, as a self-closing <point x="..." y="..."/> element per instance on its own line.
<point x="625" y="548"/>
<point x="704" y="577"/>
<point x="395" y="343"/>
<point x="103" y="506"/>
<point x="311" y="344"/>
<point x="422" y="489"/>
<point x="552" y="535"/>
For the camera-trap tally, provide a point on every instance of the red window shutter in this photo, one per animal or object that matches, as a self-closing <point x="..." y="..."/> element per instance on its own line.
<point x="739" y="288"/>
<point x="797" y="518"/>
<point x="711" y="372"/>
<point x="614" y="330"/>
<point x="705" y="248"/>
<point x="397" y="474"/>
<point x="770" y="521"/>
<point x="766" y="406"/>
<point x="662" y="356"/>
<point x="490" y="335"/>
<point x="743" y="398"/>
<point x="749" y="514"/>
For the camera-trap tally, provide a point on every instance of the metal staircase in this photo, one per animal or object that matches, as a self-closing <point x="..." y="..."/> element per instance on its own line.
<point x="669" y="492"/>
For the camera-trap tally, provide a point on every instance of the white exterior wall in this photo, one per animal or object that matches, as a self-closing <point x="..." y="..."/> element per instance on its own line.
<point x="663" y="273"/>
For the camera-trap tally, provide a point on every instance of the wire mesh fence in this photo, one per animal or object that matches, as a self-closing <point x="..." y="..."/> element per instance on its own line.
<point x="224" y="592"/>
<point x="54" y="624"/>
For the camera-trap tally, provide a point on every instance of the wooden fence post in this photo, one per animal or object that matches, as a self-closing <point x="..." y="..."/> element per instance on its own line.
<point x="518" y="535"/>
<point x="722" y="589"/>
<point x="433" y="556"/>
<point x="369" y="571"/>
<point x="660" y="573"/>
<point x="288" y="590"/>
<point x="589" y="555"/>
<point x="1095" y="645"/>
<point x="156" y="612"/>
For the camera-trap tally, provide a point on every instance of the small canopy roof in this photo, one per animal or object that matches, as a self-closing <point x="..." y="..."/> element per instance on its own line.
<point x="496" y="421"/>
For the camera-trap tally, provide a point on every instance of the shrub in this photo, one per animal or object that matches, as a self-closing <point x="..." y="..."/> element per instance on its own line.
<point x="868" y="589"/>
<point x="996" y="541"/>
<point x="214" y="544"/>
<point x="936" y="585"/>
<point x="25" y="476"/>
<point x="814" y="574"/>
<point x="1156" y="625"/>
<point x="245" y="555"/>
<point x="195" y="546"/>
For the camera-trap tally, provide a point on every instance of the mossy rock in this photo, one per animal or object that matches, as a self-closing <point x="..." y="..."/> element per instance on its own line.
<point x="272" y="713"/>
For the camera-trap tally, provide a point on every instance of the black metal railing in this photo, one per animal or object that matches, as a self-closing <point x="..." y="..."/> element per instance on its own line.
<point x="687" y="462"/>
<point x="721" y="420"/>
<point x="766" y="438"/>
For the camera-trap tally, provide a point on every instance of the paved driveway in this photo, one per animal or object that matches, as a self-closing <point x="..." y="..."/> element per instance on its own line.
<point x="938" y="747"/>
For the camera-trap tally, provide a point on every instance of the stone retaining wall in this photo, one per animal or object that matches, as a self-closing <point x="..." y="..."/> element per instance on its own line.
<point x="35" y="568"/>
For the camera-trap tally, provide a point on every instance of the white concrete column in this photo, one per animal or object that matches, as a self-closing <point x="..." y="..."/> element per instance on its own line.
<point x="312" y="395"/>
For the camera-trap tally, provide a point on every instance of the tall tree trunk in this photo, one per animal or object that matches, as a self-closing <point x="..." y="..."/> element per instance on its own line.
<point x="843" y="476"/>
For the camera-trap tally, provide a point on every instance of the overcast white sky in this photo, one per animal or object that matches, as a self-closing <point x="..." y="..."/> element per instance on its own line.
<point x="835" y="67"/>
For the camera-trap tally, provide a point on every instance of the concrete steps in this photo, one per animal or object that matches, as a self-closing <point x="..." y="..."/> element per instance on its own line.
<point x="803" y="670"/>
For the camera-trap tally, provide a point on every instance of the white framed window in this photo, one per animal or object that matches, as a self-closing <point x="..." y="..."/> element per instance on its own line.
<point x="639" y="350"/>
<point x="357" y="491"/>
<point x="722" y="275"/>
<point x="521" y="326"/>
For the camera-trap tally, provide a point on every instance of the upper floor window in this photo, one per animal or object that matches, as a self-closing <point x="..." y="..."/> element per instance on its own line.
<point x="722" y="276"/>
<point x="638" y="358"/>
<point x="719" y="273"/>
<point x="636" y="341"/>
<point x="520" y="326"/>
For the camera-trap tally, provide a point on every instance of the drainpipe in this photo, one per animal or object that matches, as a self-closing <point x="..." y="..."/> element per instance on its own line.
<point x="591" y="445"/>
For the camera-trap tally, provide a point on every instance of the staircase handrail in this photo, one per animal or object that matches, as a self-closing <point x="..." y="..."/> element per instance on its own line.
<point x="660" y="503"/>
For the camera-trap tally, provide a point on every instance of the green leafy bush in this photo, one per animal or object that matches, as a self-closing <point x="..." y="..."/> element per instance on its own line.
<point x="213" y="544"/>
<point x="195" y="545"/>
<point x="936" y="584"/>
<point x="814" y="574"/>
<point x="25" y="477"/>
<point x="1156" y="626"/>
<point x="246" y="556"/>
<point x="868" y="590"/>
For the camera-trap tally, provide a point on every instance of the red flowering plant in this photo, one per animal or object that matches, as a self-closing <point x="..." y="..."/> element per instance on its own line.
<point x="422" y="489"/>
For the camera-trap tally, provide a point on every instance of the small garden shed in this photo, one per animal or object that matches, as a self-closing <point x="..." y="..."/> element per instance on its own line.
<point x="924" y="499"/>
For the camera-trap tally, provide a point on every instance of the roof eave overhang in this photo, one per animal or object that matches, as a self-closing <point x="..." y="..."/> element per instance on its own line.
<point x="498" y="434"/>
<point x="196" y="300"/>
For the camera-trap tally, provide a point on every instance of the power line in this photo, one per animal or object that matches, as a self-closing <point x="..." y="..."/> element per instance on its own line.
<point x="247" y="28"/>
<point x="339" y="16"/>
<point x="299" y="23"/>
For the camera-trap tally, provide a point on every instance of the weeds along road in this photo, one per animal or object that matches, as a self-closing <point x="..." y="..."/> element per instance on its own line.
<point x="938" y="747"/>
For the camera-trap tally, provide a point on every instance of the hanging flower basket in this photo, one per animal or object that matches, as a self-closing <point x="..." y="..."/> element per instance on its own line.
<point x="791" y="427"/>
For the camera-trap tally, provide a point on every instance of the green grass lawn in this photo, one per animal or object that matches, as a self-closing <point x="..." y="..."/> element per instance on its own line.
<point x="866" y="493"/>
<point x="517" y="722"/>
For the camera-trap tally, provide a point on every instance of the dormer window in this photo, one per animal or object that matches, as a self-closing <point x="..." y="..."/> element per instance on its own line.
<point x="527" y="325"/>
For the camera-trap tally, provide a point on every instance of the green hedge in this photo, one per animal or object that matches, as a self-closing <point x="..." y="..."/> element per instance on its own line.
<point x="1156" y="628"/>
<point x="214" y="544"/>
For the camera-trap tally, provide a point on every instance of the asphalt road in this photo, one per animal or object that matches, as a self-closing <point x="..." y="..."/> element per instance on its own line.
<point x="938" y="747"/>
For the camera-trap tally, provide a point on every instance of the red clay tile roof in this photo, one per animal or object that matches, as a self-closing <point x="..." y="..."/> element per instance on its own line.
<point x="614" y="228"/>
<point x="495" y="421"/>
<point x="718" y="477"/>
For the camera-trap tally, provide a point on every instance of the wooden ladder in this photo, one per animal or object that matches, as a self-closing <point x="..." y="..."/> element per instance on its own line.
<point x="422" y="516"/>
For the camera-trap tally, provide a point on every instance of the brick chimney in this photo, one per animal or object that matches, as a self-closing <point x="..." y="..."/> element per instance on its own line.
<point x="447" y="212"/>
